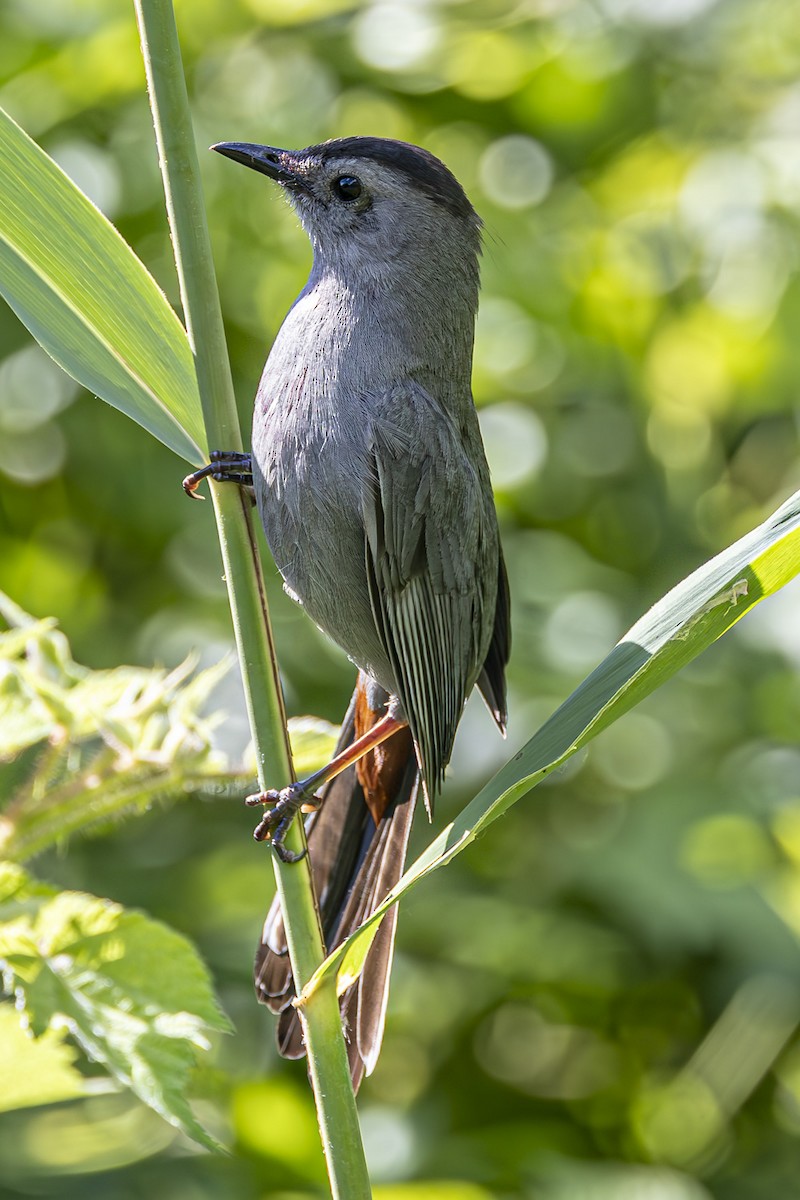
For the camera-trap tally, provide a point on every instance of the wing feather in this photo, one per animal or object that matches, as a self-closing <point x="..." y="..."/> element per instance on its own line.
<point x="431" y="558"/>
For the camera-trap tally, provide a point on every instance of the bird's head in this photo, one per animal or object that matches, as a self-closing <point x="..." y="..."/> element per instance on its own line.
<point x="372" y="205"/>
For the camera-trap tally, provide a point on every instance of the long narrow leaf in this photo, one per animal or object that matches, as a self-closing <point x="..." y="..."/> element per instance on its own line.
<point x="676" y="630"/>
<point x="89" y="301"/>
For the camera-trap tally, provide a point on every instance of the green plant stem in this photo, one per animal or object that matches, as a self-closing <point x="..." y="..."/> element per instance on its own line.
<point x="336" y="1109"/>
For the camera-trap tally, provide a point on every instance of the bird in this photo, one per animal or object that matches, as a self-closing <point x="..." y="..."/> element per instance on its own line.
<point x="372" y="484"/>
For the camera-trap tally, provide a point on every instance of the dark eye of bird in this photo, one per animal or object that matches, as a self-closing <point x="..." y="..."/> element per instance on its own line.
<point x="346" y="187"/>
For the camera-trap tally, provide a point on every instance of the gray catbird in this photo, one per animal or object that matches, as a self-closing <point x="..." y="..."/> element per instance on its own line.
<point x="373" y="487"/>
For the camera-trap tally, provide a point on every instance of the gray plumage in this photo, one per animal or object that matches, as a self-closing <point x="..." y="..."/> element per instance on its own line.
<point x="368" y="464"/>
<point x="374" y="492"/>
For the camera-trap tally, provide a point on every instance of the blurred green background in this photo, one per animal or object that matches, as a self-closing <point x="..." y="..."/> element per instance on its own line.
<point x="599" y="1000"/>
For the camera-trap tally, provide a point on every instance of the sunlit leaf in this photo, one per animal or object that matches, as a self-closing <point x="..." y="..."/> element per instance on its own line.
<point x="35" y="1070"/>
<point x="313" y="743"/>
<point x="89" y="301"/>
<point x="133" y="994"/>
<point x="675" y="630"/>
<point x="80" y="748"/>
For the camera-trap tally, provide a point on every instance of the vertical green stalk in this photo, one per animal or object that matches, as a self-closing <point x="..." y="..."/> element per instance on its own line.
<point x="169" y="102"/>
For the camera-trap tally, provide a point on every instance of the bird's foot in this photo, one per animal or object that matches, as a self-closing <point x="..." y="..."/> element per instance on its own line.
<point x="275" y="824"/>
<point x="225" y="466"/>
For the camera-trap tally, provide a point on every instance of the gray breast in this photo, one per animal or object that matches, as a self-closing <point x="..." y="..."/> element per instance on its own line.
<point x="309" y="469"/>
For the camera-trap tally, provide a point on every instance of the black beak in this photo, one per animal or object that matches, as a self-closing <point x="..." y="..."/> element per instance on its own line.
<point x="269" y="160"/>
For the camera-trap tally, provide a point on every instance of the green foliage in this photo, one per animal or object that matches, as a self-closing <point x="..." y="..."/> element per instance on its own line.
<point x="313" y="743"/>
<point x="36" y="1070"/>
<point x="133" y="994"/>
<point x="88" y="300"/>
<point x="593" y="999"/>
<point x="81" y="748"/>
<point x="675" y="630"/>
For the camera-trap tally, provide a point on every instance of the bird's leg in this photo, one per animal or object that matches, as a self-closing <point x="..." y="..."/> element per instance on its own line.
<point x="226" y="466"/>
<point x="287" y="802"/>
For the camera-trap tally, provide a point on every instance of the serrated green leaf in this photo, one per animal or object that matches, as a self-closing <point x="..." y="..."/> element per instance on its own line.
<point x="36" y="1070"/>
<point x="675" y="630"/>
<point x="89" y="301"/>
<point x="80" y="749"/>
<point x="132" y="993"/>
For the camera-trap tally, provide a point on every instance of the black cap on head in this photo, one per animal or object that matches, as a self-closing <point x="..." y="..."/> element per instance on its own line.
<point x="422" y="168"/>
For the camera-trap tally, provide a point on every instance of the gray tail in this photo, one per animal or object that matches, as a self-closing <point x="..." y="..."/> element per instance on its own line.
<point x="354" y="865"/>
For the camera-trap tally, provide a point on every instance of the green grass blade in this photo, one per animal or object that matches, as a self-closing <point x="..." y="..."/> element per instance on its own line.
<point x="676" y="630"/>
<point x="89" y="301"/>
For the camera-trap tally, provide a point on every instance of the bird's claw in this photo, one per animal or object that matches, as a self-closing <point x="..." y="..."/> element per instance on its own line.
<point x="275" y="824"/>
<point x="225" y="466"/>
